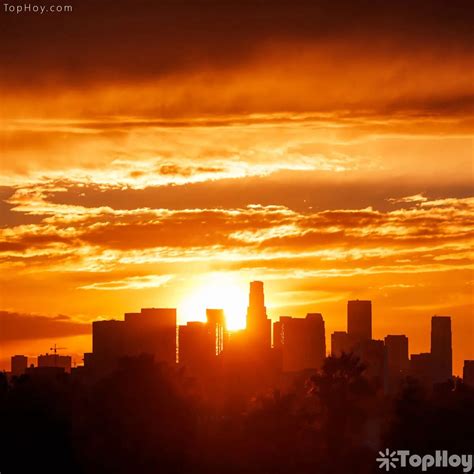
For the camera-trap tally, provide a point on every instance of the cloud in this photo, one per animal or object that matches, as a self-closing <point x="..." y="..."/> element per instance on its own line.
<point x="173" y="169"/>
<point x="375" y="58"/>
<point x="18" y="326"/>
<point x="168" y="32"/>
<point x="415" y="198"/>
<point x="338" y="147"/>
<point x="419" y="234"/>
<point x="130" y="283"/>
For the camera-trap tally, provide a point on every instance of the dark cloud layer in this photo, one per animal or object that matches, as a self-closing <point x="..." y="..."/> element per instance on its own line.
<point x="116" y="39"/>
<point x="9" y="218"/>
<point x="18" y="326"/>
<point x="298" y="190"/>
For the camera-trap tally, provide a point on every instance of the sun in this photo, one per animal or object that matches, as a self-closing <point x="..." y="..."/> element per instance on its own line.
<point x="216" y="291"/>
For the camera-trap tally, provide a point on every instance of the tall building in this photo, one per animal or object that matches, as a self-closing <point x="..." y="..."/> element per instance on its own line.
<point x="441" y="349"/>
<point x="258" y="325"/>
<point x="55" y="361"/>
<point x="197" y="348"/>
<point x="372" y="355"/>
<point x="359" y="320"/>
<point x="19" y="363"/>
<point x="421" y="368"/>
<point x="396" y="361"/>
<point x="316" y="326"/>
<point x="468" y="373"/>
<point x="278" y="331"/>
<point x="341" y="342"/>
<point x="153" y="331"/>
<point x="88" y="360"/>
<point x="200" y="343"/>
<point x="217" y="328"/>
<point x="108" y="344"/>
<point x="302" y="342"/>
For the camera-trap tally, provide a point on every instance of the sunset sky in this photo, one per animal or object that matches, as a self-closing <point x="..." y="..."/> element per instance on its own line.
<point x="165" y="153"/>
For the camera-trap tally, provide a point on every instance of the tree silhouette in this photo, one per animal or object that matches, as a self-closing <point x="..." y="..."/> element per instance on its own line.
<point x="148" y="417"/>
<point x="345" y="401"/>
<point x="424" y="420"/>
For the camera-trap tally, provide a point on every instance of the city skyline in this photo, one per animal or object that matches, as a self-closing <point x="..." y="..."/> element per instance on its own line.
<point x="300" y="341"/>
<point x="147" y="374"/>
<point x="419" y="341"/>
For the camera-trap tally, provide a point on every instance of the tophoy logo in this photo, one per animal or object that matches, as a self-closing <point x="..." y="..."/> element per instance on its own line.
<point x="389" y="459"/>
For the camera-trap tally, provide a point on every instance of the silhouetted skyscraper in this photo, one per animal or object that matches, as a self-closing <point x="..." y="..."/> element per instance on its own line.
<point x="468" y="372"/>
<point x="153" y="331"/>
<point x="359" y="320"/>
<point x="441" y="349"/>
<point x="108" y="344"/>
<point x="88" y="360"/>
<point x="197" y="348"/>
<point x="341" y="342"/>
<point x="258" y="325"/>
<point x="55" y="361"/>
<point x="396" y="361"/>
<point x="278" y="331"/>
<point x="217" y="328"/>
<point x="19" y="363"/>
<point x="421" y="368"/>
<point x="372" y="354"/>
<point x="302" y="342"/>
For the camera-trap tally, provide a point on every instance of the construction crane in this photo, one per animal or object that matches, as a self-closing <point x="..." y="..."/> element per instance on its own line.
<point x="55" y="348"/>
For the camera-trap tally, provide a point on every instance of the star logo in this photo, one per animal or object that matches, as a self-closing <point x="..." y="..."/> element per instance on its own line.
<point x="387" y="459"/>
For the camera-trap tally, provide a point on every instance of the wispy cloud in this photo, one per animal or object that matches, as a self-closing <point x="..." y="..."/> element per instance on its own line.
<point x="415" y="198"/>
<point x="130" y="283"/>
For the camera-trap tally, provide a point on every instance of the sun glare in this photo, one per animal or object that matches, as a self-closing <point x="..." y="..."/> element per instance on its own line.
<point x="217" y="291"/>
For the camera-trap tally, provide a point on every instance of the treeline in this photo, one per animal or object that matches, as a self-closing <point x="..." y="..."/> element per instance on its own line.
<point x="150" y="418"/>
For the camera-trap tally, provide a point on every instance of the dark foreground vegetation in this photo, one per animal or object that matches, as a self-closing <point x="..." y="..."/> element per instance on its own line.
<point x="149" y="418"/>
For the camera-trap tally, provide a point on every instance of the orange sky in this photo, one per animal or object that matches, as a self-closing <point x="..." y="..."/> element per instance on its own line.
<point x="150" y="151"/>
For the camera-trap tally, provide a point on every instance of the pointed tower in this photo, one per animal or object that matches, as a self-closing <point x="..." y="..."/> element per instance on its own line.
<point x="258" y="325"/>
